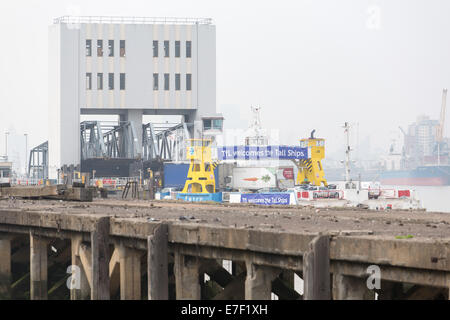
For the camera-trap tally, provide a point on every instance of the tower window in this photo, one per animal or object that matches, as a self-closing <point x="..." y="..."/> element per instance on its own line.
<point x="99" y="81"/>
<point x="88" y="81"/>
<point x="177" y="81"/>
<point x="122" y="48"/>
<point x="206" y="124"/>
<point x="122" y="81"/>
<point x="155" y="48"/>
<point x="99" y="48"/>
<point x="88" y="48"/>
<point x="166" y="49"/>
<point x="177" y="49"/>
<point x="188" y="82"/>
<point x="111" y="48"/>
<point x="155" y="81"/>
<point x="111" y="81"/>
<point x="188" y="49"/>
<point x="166" y="81"/>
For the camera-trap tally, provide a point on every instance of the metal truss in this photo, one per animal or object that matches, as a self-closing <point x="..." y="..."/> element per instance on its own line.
<point x="38" y="162"/>
<point x="108" y="140"/>
<point x="92" y="144"/>
<point x="164" y="141"/>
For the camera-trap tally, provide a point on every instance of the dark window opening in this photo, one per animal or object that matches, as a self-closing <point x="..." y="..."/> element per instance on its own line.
<point x="111" y="48"/>
<point x="188" y="49"/>
<point x="177" y="49"/>
<point x="166" y="49"/>
<point x="99" y="48"/>
<point x="188" y="82"/>
<point x="122" y="81"/>
<point x="155" y="81"/>
<point x="99" y="81"/>
<point x="166" y="81"/>
<point x="88" y="81"/>
<point x="88" y="48"/>
<point x="122" y="48"/>
<point x="111" y="81"/>
<point x="206" y="124"/>
<point x="155" y="49"/>
<point x="177" y="81"/>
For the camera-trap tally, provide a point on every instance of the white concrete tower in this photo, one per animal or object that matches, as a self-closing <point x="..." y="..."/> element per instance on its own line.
<point x="128" y="67"/>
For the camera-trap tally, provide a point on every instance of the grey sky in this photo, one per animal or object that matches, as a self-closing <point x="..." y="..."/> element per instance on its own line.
<point x="308" y="64"/>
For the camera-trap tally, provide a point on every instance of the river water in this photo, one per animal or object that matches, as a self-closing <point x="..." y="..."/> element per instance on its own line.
<point x="432" y="198"/>
<point x="436" y="198"/>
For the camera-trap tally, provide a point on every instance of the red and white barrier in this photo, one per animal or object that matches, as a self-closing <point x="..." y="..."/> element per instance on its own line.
<point x="393" y="193"/>
<point x="309" y="195"/>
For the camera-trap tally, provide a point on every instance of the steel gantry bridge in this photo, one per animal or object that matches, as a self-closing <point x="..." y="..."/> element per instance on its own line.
<point x="118" y="140"/>
<point x="160" y="141"/>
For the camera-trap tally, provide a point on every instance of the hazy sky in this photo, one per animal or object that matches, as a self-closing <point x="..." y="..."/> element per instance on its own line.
<point x="307" y="63"/>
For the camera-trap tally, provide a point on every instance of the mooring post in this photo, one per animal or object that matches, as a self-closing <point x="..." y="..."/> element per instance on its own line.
<point x="79" y="285"/>
<point x="187" y="278"/>
<point x="100" y="260"/>
<point x="157" y="264"/>
<point x="130" y="273"/>
<point x="38" y="267"/>
<point x="258" y="283"/>
<point x="316" y="269"/>
<point x="5" y="267"/>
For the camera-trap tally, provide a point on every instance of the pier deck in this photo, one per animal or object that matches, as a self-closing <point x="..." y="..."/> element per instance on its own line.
<point x="158" y="250"/>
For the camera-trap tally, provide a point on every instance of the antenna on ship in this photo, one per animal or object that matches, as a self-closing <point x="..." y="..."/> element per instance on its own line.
<point x="347" y="153"/>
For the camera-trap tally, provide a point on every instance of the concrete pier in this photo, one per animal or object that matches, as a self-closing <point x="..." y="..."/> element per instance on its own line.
<point x="5" y="267"/>
<point x="142" y="250"/>
<point x="38" y="267"/>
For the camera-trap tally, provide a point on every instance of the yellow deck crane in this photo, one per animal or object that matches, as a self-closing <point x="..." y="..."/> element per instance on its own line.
<point x="200" y="177"/>
<point x="310" y="170"/>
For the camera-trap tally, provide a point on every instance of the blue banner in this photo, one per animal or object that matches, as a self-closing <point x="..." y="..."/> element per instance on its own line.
<point x="261" y="152"/>
<point x="265" y="198"/>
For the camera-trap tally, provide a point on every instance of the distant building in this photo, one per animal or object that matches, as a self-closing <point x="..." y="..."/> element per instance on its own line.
<point x="129" y="67"/>
<point x="420" y="144"/>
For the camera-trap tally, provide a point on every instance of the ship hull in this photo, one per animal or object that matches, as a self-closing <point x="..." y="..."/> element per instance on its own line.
<point x="421" y="176"/>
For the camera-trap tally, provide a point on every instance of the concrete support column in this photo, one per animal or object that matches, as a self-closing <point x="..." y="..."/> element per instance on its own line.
<point x="157" y="264"/>
<point x="351" y="288"/>
<point x="100" y="260"/>
<point x="80" y="285"/>
<point x="38" y="268"/>
<point x="130" y="273"/>
<point x="5" y="268"/>
<point x="135" y="118"/>
<point x="258" y="283"/>
<point x="187" y="279"/>
<point x="316" y="269"/>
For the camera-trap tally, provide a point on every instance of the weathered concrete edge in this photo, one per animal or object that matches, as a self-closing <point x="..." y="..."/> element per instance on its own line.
<point x="412" y="253"/>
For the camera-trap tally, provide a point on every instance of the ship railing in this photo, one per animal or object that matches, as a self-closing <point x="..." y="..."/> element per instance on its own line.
<point x="391" y="193"/>
<point x="115" y="183"/>
<point x="320" y="194"/>
<point x="27" y="181"/>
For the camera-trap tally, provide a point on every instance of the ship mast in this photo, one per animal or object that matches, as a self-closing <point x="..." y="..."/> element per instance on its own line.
<point x="347" y="152"/>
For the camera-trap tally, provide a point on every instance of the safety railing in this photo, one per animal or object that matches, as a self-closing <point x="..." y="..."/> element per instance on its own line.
<point x="130" y="20"/>
<point x="319" y="194"/>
